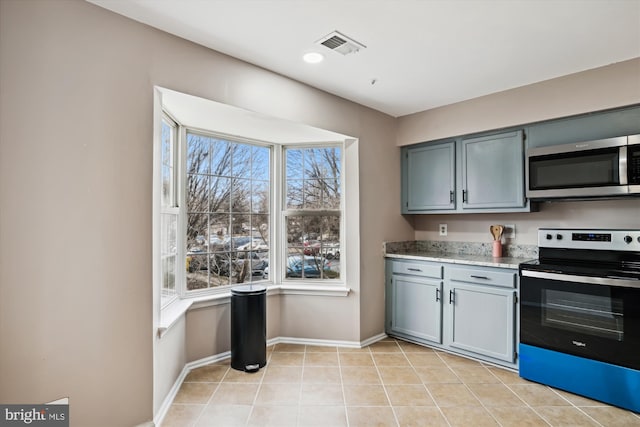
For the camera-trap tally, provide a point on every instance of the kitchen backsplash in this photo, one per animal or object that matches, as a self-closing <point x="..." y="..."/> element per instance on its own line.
<point x="460" y="248"/>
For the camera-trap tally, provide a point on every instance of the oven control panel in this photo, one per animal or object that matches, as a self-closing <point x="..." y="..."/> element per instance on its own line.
<point x="567" y="238"/>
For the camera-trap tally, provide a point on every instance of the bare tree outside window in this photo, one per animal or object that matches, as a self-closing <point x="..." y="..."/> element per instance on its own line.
<point x="312" y="212"/>
<point x="227" y="203"/>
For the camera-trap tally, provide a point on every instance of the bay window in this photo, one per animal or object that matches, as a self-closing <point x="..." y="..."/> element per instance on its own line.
<point x="235" y="210"/>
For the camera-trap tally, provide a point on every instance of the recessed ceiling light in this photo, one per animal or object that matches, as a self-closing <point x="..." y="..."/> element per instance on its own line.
<point x="313" y="57"/>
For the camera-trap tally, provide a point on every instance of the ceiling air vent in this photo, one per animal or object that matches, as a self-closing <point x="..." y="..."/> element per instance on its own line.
<point x="340" y="43"/>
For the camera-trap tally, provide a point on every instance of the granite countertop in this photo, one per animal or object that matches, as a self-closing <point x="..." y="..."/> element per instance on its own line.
<point x="460" y="253"/>
<point x="453" y="258"/>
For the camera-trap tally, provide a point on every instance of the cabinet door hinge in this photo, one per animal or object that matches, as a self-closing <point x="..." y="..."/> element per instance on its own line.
<point x="515" y="356"/>
<point x="515" y="298"/>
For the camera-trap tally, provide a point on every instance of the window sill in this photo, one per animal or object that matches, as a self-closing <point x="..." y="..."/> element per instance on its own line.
<point x="170" y="314"/>
<point x="303" y="289"/>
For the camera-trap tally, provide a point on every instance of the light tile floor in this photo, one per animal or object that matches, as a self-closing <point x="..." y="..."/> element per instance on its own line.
<point x="390" y="383"/>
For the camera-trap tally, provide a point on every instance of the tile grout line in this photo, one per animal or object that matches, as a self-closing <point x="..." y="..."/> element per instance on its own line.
<point x="344" y="395"/>
<point x="574" y="406"/>
<point x="435" y="402"/>
<point x="529" y="406"/>
<point x="486" y="408"/>
<point x="255" y="398"/>
<point x="475" y="395"/>
<point x="384" y="387"/>
<point x="304" y="365"/>
<point x="197" y="420"/>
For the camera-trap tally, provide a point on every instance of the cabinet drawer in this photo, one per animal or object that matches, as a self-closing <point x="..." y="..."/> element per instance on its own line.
<point x="418" y="269"/>
<point x="505" y="278"/>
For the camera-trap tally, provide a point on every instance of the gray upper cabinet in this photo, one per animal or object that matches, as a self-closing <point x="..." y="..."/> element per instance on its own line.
<point x="429" y="178"/>
<point x="480" y="174"/>
<point x="493" y="171"/>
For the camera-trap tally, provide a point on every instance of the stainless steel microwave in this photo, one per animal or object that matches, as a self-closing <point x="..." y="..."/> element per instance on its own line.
<point x="603" y="168"/>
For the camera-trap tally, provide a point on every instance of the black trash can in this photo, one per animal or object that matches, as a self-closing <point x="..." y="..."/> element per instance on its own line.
<point x="248" y="327"/>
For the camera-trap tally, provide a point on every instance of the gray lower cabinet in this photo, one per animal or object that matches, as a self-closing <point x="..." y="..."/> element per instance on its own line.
<point x="471" y="310"/>
<point x="413" y="300"/>
<point x="416" y="310"/>
<point x="482" y="319"/>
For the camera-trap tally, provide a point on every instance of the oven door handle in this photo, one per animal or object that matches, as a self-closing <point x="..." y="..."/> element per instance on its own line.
<point x="604" y="281"/>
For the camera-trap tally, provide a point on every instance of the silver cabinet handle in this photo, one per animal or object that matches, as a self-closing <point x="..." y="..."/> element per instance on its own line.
<point x="480" y="277"/>
<point x="451" y="196"/>
<point x="414" y="269"/>
<point x="451" y="294"/>
<point x="464" y="196"/>
<point x="437" y="294"/>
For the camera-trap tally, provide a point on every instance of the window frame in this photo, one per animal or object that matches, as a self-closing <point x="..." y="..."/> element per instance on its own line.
<point x="184" y="130"/>
<point x="285" y="212"/>
<point x="173" y="207"/>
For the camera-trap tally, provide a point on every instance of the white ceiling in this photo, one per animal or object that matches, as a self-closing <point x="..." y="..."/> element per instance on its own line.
<point x="421" y="53"/>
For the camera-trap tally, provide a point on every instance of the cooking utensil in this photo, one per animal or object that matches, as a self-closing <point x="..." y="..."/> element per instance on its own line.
<point x="496" y="231"/>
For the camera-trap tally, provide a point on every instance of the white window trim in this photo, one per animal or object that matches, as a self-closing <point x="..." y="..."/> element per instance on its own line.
<point x="182" y="218"/>
<point x="283" y="212"/>
<point x="172" y="210"/>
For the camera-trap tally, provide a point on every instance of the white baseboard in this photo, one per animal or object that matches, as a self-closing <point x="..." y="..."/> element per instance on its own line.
<point x="166" y="403"/>
<point x="207" y="361"/>
<point x="373" y="339"/>
<point x="168" y="400"/>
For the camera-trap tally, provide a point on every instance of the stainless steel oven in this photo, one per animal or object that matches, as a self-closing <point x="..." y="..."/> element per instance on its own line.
<point x="580" y="314"/>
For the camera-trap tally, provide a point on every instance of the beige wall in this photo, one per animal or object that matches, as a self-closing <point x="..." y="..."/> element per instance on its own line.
<point x="612" y="86"/>
<point x="209" y="330"/>
<point x="76" y="116"/>
<point x="475" y="227"/>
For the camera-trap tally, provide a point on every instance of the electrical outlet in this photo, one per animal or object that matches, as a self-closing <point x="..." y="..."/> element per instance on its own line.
<point x="509" y="231"/>
<point x="443" y="229"/>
